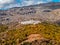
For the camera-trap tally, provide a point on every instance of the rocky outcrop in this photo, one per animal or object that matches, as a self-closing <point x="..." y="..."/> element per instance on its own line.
<point x="37" y="39"/>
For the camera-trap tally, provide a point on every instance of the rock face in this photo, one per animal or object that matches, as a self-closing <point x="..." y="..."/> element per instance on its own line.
<point x="33" y="37"/>
<point x="41" y="12"/>
<point x="37" y="39"/>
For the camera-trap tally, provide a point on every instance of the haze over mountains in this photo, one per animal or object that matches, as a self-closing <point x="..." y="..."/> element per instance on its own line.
<point x="41" y="12"/>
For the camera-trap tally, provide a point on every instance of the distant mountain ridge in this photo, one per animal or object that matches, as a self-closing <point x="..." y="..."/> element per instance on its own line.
<point x="42" y="4"/>
<point x="40" y="12"/>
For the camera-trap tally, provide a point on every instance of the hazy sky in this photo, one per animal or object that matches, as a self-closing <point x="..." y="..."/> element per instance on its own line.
<point x="4" y="4"/>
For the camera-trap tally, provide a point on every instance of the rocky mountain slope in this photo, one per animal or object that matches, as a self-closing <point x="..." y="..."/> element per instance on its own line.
<point x="41" y="12"/>
<point x="38" y="31"/>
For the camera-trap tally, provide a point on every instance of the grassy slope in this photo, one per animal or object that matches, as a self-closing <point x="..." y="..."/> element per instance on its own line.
<point x="15" y="36"/>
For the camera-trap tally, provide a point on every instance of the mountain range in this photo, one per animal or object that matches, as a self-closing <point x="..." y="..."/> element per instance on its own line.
<point x="42" y="12"/>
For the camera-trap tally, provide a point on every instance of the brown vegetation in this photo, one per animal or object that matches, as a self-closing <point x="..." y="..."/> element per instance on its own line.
<point x="45" y="30"/>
